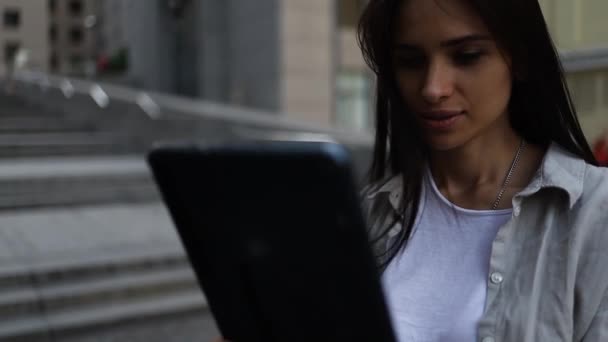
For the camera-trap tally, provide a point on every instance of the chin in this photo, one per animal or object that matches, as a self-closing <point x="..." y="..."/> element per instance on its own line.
<point x="443" y="144"/>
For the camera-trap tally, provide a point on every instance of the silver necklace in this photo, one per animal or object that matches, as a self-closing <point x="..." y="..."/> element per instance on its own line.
<point x="509" y="174"/>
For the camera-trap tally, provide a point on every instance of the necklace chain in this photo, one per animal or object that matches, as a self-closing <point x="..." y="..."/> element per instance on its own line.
<point x="509" y="174"/>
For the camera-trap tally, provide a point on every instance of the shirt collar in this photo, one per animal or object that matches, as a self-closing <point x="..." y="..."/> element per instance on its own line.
<point x="392" y="186"/>
<point x="559" y="169"/>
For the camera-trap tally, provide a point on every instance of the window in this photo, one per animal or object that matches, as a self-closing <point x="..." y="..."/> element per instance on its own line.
<point x="54" y="62"/>
<point x="76" y="35"/>
<point x="75" y="7"/>
<point x="76" y="62"/>
<point x="12" y="18"/>
<point x="53" y="33"/>
<point x="10" y="51"/>
<point x="349" y="12"/>
<point x="352" y="101"/>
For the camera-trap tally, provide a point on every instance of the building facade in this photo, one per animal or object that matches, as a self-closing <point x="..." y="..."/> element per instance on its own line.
<point x="301" y="59"/>
<point x="73" y="34"/>
<point x="114" y="21"/>
<point x="23" y="28"/>
<point x="273" y="55"/>
<point x="353" y="83"/>
<point x="581" y="34"/>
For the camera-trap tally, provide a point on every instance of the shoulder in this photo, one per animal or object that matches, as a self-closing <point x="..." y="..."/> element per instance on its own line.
<point x="379" y="201"/>
<point x="389" y="184"/>
<point x="583" y="217"/>
<point x="589" y="238"/>
<point x="596" y="176"/>
<point x="588" y="219"/>
<point x="586" y="185"/>
<point x="383" y="193"/>
<point x="595" y="191"/>
<point x="593" y="207"/>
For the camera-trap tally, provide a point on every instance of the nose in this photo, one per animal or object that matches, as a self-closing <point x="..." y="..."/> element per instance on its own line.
<point x="438" y="82"/>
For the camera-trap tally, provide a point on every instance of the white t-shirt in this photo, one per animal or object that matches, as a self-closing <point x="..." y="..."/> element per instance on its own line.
<point x="436" y="287"/>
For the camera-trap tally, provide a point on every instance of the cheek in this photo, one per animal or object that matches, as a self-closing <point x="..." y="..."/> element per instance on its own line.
<point x="490" y="91"/>
<point x="408" y="86"/>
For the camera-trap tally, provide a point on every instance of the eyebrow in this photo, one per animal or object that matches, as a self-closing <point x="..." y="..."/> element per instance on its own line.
<point x="449" y="43"/>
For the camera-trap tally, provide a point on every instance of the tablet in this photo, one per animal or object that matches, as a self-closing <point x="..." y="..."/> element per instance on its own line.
<point x="276" y="237"/>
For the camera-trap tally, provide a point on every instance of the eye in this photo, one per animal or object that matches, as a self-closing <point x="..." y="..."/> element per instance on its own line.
<point x="467" y="58"/>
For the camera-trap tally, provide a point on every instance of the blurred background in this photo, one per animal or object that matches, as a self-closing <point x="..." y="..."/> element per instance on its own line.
<point x="87" y="250"/>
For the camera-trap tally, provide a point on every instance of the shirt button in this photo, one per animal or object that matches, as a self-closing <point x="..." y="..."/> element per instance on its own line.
<point x="496" y="278"/>
<point x="488" y="339"/>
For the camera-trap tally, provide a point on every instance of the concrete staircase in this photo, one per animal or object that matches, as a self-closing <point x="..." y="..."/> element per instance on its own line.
<point x="75" y="180"/>
<point x="92" y="268"/>
<point x="86" y="247"/>
<point x="87" y="250"/>
<point x="30" y="130"/>
<point x="46" y="300"/>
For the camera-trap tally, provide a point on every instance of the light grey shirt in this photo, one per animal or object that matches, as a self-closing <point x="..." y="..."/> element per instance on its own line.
<point x="548" y="276"/>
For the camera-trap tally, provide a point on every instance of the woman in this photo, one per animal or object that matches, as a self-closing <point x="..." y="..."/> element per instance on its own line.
<point x="489" y="216"/>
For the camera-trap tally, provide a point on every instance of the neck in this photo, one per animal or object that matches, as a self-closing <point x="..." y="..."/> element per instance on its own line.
<point x="477" y="163"/>
<point x="472" y="175"/>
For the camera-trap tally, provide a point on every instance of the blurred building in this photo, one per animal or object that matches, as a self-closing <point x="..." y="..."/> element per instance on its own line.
<point x="354" y="81"/>
<point x="119" y="29"/>
<point x="581" y="34"/>
<point x="289" y="56"/>
<point x="301" y="58"/>
<point x="23" y="28"/>
<point x="73" y="33"/>
<point x="114" y="24"/>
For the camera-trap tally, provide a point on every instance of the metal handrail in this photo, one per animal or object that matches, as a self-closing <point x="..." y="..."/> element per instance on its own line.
<point x="156" y="105"/>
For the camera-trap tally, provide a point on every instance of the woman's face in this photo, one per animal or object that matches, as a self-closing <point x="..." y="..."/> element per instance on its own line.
<point x="451" y="73"/>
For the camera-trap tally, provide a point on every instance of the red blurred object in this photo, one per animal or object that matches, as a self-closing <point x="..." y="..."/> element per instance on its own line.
<point x="600" y="150"/>
<point x="102" y="63"/>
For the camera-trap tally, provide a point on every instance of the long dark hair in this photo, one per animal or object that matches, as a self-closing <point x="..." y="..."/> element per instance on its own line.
<point x="540" y="107"/>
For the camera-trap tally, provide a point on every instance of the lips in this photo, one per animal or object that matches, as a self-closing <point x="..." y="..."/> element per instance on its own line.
<point x="440" y="114"/>
<point x="442" y="120"/>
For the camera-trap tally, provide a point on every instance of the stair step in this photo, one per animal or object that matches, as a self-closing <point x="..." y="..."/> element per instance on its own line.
<point x="185" y="301"/>
<point x="66" y="143"/>
<point x="93" y="290"/>
<point x="57" y="138"/>
<point x="71" y="181"/>
<point x="41" y="168"/>
<point x="90" y="267"/>
<point x="40" y="124"/>
<point x="24" y="192"/>
<point x="132" y="193"/>
<point x="59" y="297"/>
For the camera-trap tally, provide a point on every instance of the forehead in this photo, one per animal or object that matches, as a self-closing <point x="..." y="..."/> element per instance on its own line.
<point x="427" y="21"/>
